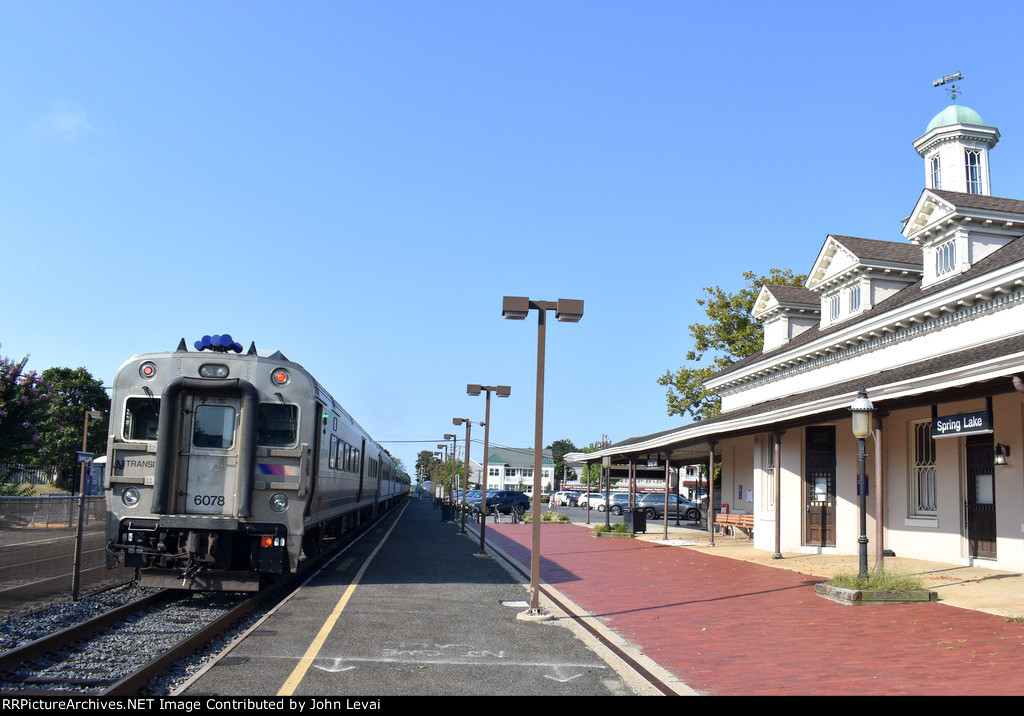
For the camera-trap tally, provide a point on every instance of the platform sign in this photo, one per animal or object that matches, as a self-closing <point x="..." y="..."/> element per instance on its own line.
<point x="85" y="457"/>
<point x="978" y="422"/>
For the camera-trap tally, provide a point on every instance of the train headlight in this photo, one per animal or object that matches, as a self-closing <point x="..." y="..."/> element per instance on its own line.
<point x="213" y="370"/>
<point x="130" y="496"/>
<point x="147" y="370"/>
<point x="278" y="502"/>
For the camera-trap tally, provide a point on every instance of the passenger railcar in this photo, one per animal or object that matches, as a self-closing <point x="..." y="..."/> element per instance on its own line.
<point x="224" y="469"/>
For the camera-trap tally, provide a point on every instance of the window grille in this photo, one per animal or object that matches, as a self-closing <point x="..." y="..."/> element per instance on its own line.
<point x="923" y="475"/>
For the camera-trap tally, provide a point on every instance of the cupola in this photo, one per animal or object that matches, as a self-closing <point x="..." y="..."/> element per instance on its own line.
<point x="955" y="149"/>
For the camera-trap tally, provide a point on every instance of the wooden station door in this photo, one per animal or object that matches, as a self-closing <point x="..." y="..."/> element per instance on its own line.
<point x="820" y="486"/>
<point x="981" y="496"/>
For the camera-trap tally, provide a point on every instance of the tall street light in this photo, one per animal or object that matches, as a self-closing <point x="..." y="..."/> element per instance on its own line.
<point x="451" y="476"/>
<point x="503" y="391"/>
<point x="465" y="475"/>
<point x="860" y="413"/>
<point x="606" y="468"/>
<point x="441" y="480"/>
<point x="567" y="311"/>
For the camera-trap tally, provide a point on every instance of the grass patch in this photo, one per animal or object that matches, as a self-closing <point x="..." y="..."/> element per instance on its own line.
<point x="546" y="517"/>
<point x="617" y="527"/>
<point x="890" y="581"/>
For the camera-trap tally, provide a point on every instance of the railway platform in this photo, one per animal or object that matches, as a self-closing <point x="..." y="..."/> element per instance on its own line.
<point x="411" y="609"/>
<point x="427" y="616"/>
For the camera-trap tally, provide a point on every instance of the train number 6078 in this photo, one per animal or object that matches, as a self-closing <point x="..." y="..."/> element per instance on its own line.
<point x="209" y="500"/>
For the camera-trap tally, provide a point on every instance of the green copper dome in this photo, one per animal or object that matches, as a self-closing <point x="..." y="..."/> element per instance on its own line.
<point x="955" y="114"/>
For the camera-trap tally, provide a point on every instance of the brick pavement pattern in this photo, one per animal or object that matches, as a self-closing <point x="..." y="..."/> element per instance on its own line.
<point x="728" y="627"/>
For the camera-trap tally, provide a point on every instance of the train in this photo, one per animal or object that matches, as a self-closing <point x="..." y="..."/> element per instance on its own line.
<point x="225" y="469"/>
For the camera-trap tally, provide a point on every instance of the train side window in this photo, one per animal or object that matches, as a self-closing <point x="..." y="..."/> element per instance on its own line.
<point x="332" y="456"/>
<point x="277" y="425"/>
<point x="213" y="426"/>
<point x="141" y="418"/>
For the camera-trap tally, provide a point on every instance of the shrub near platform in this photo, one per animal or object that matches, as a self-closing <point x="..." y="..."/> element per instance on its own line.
<point x="619" y="529"/>
<point x="879" y="587"/>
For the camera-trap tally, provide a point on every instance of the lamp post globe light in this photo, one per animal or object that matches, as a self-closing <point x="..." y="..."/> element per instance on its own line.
<point x="566" y="311"/>
<point x="502" y="391"/>
<point x="860" y="414"/>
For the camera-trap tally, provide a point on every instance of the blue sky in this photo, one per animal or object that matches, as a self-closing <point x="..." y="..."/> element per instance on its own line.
<point x="358" y="184"/>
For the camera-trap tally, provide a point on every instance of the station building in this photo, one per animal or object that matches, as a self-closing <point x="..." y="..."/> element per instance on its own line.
<point x="931" y="329"/>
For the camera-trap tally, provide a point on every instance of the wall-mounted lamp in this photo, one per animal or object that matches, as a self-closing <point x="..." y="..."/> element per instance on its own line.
<point x="1002" y="452"/>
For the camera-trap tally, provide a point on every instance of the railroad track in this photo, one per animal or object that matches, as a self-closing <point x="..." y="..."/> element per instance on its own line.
<point x="119" y="652"/>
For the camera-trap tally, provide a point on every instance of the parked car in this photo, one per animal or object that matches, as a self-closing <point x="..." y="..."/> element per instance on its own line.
<point x="503" y="501"/>
<point x="564" y="498"/>
<point x="618" y="502"/>
<point x="653" y="505"/>
<point x="595" y="498"/>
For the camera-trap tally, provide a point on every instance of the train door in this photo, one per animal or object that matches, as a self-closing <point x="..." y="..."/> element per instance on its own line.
<point x="362" y="471"/>
<point x="209" y="452"/>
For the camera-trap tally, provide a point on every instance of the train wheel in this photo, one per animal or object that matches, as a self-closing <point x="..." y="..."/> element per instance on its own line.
<point x="313" y="543"/>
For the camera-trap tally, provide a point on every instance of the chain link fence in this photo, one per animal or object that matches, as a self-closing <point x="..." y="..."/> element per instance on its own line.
<point x="38" y="538"/>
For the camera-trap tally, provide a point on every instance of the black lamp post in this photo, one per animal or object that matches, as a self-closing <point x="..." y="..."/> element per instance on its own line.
<point x="860" y="413"/>
<point x="566" y="311"/>
<point x="503" y="391"/>
<point x="606" y="465"/>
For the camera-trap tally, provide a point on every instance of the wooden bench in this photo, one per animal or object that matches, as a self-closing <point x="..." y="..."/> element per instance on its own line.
<point x="744" y="522"/>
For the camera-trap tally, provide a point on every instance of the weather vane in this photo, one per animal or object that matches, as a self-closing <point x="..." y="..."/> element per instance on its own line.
<point x="953" y="89"/>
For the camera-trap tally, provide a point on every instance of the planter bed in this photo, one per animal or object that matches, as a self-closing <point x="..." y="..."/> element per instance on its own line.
<point x="856" y="597"/>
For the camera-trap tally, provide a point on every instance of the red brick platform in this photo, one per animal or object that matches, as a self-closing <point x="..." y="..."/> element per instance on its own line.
<point x="728" y="627"/>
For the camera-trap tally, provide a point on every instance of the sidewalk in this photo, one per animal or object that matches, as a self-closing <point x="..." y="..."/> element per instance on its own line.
<point x="977" y="588"/>
<point x="727" y="620"/>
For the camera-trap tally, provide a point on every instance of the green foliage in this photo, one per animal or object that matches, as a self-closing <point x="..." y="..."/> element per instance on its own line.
<point x="554" y="517"/>
<point x="9" y="488"/>
<point x="559" y="449"/>
<point x="24" y="400"/>
<point x="890" y="581"/>
<point x="730" y="334"/>
<point x="74" y="393"/>
<point x="617" y="527"/>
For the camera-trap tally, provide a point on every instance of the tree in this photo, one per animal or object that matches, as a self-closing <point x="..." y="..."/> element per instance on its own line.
<point x="23" y="403"/>
<point x="559" y="449"/>
<point x="73" y="391"/>
<point x="731" y="333"/>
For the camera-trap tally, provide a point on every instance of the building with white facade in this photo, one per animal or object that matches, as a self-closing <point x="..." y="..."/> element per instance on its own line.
<point x="512" y="469"/>
<point x="931" y="326"/>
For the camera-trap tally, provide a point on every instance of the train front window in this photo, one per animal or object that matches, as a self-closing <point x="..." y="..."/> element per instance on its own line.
<point x="214" y="426"/>
<point x="141" y="416"/>
<point x="277" y="425"/>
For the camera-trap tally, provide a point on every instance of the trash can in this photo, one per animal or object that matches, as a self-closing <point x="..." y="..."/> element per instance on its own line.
<point x="635" y="519"/>
<point x="447" y="512"/>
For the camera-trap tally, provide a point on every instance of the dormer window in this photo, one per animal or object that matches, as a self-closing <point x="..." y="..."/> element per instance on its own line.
<point x="936" y="173"/>
<point x="854" y="299"/>
<point x="945" y="257"/>
<point x="833" y="308"/>
<point x="972" y="160"/>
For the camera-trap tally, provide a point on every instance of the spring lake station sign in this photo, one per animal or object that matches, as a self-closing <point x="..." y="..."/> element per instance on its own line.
<point x="978" y="422"/>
